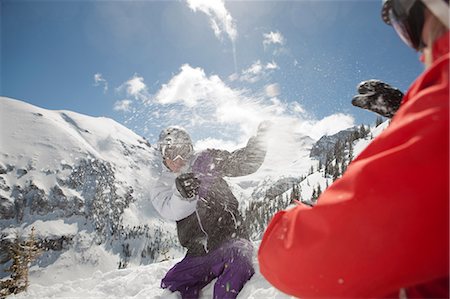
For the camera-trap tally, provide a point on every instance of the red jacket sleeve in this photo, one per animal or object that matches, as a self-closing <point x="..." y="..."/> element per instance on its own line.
<point x="385" y="224"/>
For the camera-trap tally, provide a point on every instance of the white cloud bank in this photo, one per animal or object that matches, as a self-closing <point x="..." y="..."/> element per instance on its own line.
<point x="217" y="115"/>
<point x="220" y="19"/>
<point x="210" y="103"/>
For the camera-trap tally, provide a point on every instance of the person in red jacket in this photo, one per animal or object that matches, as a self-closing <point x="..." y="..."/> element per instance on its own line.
<point x="382" y="229"/>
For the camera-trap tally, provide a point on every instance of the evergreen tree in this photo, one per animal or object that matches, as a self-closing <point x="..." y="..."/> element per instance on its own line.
<point x="327" y="164"/>
<point x="319" y="191"/>
<point x="350" y="151"/>
<point x="295" y="195"/>
<point x="338" y="151"/>
<point x="363" y="132"/>
<point x="314" y="195"/>
<point x="378" y="121"/>
<point x="336" y="173"/>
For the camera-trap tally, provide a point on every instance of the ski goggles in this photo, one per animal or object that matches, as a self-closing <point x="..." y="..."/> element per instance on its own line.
<point x="407" y="18"/>
<point x="176" y="151"/>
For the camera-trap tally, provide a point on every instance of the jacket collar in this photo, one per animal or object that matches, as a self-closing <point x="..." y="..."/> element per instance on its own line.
<point x="440" y="46"/>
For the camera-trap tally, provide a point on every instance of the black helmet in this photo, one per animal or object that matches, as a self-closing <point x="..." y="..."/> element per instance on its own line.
<point x="408" y="16"/>
<point x="174" y="142"/>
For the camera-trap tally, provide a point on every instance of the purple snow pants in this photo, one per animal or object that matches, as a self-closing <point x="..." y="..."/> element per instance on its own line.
<point x="231" y="264"/>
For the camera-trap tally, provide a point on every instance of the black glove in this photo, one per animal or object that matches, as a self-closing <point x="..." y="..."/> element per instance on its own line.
<point x="379" y="97"/>
<point x="187" y="184"/>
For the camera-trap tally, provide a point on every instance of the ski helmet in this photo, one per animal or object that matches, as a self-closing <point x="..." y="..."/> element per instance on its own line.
<point x="174" y="142"/>
<point x="408" y="16"/>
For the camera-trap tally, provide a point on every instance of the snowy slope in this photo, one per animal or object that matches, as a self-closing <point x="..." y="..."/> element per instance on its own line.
<point x="361" y="144"/>
<point x="43" y="143"/>
<point x="136" y="282"/>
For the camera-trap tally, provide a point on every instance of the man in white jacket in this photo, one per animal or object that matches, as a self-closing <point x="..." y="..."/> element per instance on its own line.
<point x="194" y="194"/>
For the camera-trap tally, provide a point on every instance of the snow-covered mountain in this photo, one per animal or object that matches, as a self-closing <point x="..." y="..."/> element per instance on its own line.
<point x="83" y="183"/>
<point x="327" y="143"/>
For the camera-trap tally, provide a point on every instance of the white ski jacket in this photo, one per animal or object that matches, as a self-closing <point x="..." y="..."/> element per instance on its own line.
<point x="168" y="201"/>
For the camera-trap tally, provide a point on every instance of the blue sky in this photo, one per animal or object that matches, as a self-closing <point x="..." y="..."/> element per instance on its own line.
<point x="217" y="68"/>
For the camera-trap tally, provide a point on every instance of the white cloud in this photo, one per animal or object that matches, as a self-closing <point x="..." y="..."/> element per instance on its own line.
<point x="206" y="103"/>
<point x="220" y="19"/>
<point x="257" y="71"/>
<point x="99" y="80"/>
<point x="218" y="115"/>
<point x="272" y="90"/>
<point x="273" y="38"/>
<point x="272" y="66"/>
<point x="123" y="105"/>
<point x="233" y="77"/>
<point x="253" y="73"/>
<point x="136" y="88"/>
<point x="190" y="87"/>
<point x="297" y="108"/>
<point x="210" y="102"/>
<point x="327" y="126"/>
<point x="135" y="85"/>
<point x="276" y="42"/>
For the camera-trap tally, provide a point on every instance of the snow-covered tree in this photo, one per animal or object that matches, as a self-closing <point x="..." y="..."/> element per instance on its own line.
<point x="22" y="253"/>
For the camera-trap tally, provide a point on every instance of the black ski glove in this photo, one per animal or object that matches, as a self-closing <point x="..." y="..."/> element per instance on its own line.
<point x="187" y="184"/>
<point x="379" y="97"/>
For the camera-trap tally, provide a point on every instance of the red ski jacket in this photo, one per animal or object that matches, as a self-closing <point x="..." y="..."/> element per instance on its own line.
<point x="384" y="226"/>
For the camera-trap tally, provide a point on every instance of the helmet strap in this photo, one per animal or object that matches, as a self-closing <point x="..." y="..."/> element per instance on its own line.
<point x="440" y="9"/>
